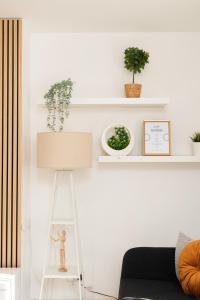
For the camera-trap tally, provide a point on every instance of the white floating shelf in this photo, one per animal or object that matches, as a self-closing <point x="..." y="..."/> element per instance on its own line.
<point x="122" y="102"/>
<point x="53" y="273"/>
<point x="63" y="222"/>
<point x="149" y="159"/>
<point x="133" y="102"/>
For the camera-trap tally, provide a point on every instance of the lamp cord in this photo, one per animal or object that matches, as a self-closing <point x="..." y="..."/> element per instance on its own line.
<point x="109" y="296"/>
<point x="98" y="293"/>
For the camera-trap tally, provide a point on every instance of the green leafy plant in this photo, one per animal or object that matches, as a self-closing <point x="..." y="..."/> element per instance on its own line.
<point x="196" y="137"/>
<point x="120" y="139"/>
<point x="135" y="60"/>
<point x="57" y="101"/>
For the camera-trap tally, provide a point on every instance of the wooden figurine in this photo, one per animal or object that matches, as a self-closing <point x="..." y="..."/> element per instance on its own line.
<point x="61" y="238"/>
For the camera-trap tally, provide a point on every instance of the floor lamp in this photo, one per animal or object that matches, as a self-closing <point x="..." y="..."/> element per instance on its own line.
<point x="64" y="151"/>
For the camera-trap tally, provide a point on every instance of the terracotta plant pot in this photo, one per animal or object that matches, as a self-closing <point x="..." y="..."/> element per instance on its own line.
<point x="133" y="90"/>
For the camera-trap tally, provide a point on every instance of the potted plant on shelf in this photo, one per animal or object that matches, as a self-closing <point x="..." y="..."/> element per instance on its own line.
<point x="196" y="143"/>
<point x="117" y="139"/>
<point x="135" y="60"/>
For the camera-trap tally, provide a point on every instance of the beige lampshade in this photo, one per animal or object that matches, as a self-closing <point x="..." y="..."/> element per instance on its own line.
<point x="64" y="150"/>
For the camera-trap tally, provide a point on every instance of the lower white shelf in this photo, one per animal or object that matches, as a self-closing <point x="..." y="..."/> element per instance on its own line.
<point x="53" y="273"/>
<point x="149" y="159"/>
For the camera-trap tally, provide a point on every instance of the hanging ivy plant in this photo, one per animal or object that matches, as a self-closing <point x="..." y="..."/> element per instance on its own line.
<point x="57" y="101"/>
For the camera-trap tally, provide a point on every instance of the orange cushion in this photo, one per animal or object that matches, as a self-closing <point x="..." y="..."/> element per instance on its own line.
<point x="189" y="268"/>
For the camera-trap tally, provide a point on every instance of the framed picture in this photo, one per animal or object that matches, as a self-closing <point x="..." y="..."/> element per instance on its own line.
<point x="157" y="137"/>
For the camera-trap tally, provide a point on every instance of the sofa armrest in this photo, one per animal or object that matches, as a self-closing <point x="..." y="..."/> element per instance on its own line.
<point x="149" y="263"/>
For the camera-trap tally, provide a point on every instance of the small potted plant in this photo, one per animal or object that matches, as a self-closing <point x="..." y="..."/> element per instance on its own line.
<point x="135" y="60"/>
<point x="117" y="139"/>
<point x="196" y="143"/>
<point x="57" y="101"/>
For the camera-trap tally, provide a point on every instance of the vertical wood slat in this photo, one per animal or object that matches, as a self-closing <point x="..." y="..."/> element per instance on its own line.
<point x="19" y="177"/>
<point x="1" y="95"/>
<point x="14" y="204"/>
<point x="5" y="158"/>
<point x="9" y="208"/>
<point x="10" y="141"/>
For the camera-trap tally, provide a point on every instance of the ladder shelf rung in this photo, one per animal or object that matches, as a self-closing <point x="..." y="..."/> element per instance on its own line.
<point x="63" y="222"/>
<point x="53" y="273"/>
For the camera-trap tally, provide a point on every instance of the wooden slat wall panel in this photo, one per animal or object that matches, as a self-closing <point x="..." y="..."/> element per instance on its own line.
<point x="10" y="141"/>
<point x="10" y="135"/>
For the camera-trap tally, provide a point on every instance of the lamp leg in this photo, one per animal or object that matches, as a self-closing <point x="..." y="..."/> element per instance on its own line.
<point x="77" y="239"/>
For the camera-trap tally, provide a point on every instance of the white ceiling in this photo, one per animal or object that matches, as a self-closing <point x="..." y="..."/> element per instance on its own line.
<point x="105" y="15"/>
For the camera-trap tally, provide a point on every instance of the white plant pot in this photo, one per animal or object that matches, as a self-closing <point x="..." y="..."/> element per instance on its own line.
<point x="196" y="149"/>
<point x="108" y="132"/>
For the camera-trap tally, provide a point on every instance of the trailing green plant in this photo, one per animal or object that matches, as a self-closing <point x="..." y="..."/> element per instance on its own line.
<point x="135" y="60"/>
<point x="57" y="101"/>
<point x="120" y="139"/>
<point x="196" y="137"/>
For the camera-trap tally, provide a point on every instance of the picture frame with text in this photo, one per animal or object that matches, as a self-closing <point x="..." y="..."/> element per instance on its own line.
<point x="156" y="137"/>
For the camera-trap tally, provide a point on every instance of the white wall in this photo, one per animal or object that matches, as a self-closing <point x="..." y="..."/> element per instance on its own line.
<point x="119" y="206"/>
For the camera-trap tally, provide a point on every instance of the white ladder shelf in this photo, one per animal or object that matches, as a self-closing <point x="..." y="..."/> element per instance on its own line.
<point x="73" y="272"/>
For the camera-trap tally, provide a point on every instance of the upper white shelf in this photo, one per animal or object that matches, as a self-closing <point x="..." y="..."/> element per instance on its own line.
<point x="149" y="159"/>
<point x="119" y="102"/>
<point x="133" y="102"/>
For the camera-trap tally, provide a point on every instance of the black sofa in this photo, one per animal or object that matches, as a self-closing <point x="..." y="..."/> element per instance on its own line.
<point x="150" y="273"/>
